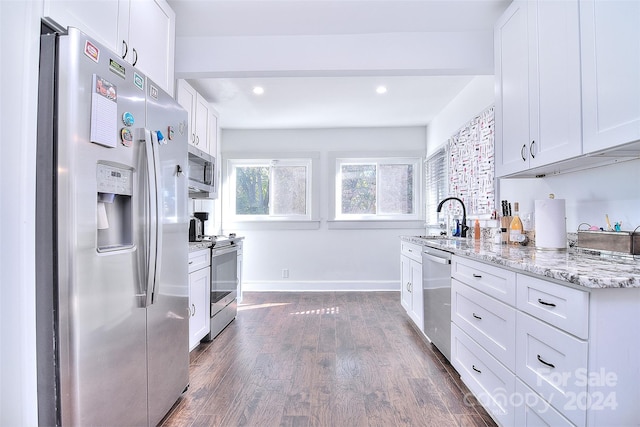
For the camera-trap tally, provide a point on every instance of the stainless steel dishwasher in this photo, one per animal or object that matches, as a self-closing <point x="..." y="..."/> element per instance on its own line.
<point x="436" y="288"/>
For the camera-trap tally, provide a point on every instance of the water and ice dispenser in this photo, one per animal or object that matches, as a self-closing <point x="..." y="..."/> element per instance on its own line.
<point x="114" y="207"/>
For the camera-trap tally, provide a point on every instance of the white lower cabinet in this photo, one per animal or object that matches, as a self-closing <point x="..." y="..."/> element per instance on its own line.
<point x="199" y="296"/>
<point x="491" y="323"/>
<point x="411" y="282"/>
<point x="490" y="382"/>
<point x="532" y="410"/>
<point x="548" y="360"/>
<point x="536" y="352"/>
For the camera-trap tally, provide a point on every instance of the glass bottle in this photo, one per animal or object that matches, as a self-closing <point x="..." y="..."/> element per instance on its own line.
<point x="516" y="229"/>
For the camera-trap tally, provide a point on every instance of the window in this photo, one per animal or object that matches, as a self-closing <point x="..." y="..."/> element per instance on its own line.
<point x="377" y="188"/>
<point x="265" y="189"/>
<point x="436" y="185"/>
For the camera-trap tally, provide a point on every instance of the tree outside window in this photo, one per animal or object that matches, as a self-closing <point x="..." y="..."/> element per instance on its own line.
<point x="376" y="188"/>
<point x="270" y="189"/>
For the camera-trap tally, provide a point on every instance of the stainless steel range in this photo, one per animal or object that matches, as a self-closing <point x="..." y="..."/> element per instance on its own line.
<point x="224" y="285"/>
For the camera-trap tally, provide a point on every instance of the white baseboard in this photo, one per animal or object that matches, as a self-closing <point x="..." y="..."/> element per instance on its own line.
<point x="320" y="286"/>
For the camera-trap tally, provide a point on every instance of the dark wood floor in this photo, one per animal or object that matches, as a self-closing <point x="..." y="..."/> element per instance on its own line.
<point x="323" y="359"/>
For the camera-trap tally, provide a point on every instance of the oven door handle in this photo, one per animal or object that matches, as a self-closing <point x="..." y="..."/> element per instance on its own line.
<point x="437" y="259"/>
<point x="217" y="252"/>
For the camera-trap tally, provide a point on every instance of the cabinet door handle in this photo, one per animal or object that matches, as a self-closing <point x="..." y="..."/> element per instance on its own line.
<point x="533" y="156"/>
<point x="476" y="369"/>
<point x="194" y="309"/>
<point x="476" y="316"/>
<point x="125" y="48"/>
<point x="477" y="276"/>
<point x="550" y="304"/>
<point x="545" y="363"/>
<point x="197" y="139"/>
<point x="135" y="57"/>
<point x="522" y="151"/>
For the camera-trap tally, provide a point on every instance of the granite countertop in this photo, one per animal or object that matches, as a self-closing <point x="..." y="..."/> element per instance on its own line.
<point x="197" y="246"/>
<point x="206" y="244"/>
<point x="573" y="265"/>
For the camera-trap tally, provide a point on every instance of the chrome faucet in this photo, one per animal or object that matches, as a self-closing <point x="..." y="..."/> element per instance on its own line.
<point x="464" y="227"/>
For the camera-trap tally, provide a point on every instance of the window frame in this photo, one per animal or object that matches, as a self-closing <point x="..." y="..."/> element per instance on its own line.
<point x="308" y="160"/>
<point x="339" y="159"/>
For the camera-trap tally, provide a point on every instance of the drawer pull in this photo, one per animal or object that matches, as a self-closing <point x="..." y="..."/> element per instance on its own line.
<point x="477" y="276"/>
<point x="476" y="316"/>
<point x="550" y="304"/>
<point x="545" y="363"/>
<point x="476" y="369"/>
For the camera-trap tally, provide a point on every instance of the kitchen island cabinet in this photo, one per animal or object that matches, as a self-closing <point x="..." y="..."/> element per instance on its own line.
<point x="545" y="337"/>
<point x="142" y="32"/>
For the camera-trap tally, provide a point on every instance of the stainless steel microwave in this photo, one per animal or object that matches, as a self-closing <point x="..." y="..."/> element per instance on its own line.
<point x="202" y="174"/>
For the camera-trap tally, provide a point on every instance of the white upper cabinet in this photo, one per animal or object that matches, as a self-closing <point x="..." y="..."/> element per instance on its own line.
<point x="213" y="132"/>
<point x="198" y="111"/>
<point x="537" y="49"/>
<point x="512" y="90"/>
<point x="152" y="36"/>
<point x="142" y="32"/>
<point x="555" y="81"/>
<point x="103" y="26"/>
<point x="610" y="41"/>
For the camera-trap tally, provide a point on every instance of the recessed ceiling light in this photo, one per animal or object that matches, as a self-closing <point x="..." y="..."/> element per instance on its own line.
<point x="258" y="90"/>
<point x="381" y="89"/>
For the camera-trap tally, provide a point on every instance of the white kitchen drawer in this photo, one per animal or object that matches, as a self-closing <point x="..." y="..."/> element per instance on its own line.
<point x="494" y="281"/>
<point x="554" y="364"/>
<point x="532" y="410"/>
<point x="561" y="306"/>
<point x="491" y="323"/>
<point x="199" y="260"/>
<point x="411" y="250"/>
<point x="490" y="382"/>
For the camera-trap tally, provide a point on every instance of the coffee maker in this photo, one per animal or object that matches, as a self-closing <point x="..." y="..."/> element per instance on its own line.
<point x="196" y="226"/>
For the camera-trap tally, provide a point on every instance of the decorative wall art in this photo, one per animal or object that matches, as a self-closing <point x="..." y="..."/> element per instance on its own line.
<point x="471" y="164"/>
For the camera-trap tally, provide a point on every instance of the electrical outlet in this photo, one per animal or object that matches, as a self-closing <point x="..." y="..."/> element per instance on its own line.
<point x="285" y="273"/>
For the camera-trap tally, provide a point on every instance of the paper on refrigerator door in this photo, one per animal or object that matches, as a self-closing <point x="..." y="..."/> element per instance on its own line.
<point x="104" y="112"/>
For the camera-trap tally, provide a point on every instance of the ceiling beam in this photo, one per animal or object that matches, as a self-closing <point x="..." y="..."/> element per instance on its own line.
<point x="425" y="53"/>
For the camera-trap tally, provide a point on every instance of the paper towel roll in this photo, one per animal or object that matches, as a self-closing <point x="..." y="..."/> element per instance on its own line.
<point x="550" y="224"/>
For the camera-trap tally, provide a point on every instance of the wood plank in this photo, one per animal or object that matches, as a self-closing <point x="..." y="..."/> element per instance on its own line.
<point x="323" y="359"/>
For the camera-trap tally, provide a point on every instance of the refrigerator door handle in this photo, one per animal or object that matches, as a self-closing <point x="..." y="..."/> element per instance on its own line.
<point x="151" y="219"/>
<point x="155" y="144"/>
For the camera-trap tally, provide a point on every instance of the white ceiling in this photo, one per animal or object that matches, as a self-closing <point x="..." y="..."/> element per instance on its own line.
<point x="306" y="98"/>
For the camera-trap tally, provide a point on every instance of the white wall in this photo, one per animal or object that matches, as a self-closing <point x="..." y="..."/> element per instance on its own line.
<point x="589" y="194"/>
<point x="322" y="258"/>
<point x="477" y="96"/>
<point x="20" y="27"/>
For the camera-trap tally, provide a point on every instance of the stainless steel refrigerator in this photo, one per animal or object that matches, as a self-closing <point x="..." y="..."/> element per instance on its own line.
<point x="112" y="239"/>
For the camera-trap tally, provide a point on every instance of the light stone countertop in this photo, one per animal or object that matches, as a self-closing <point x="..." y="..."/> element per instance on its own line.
<point x="574" y="266"/>
<point x="197" y="246"/>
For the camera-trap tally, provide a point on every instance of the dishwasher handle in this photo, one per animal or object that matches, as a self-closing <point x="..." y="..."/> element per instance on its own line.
<point x="439" y="260"/>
